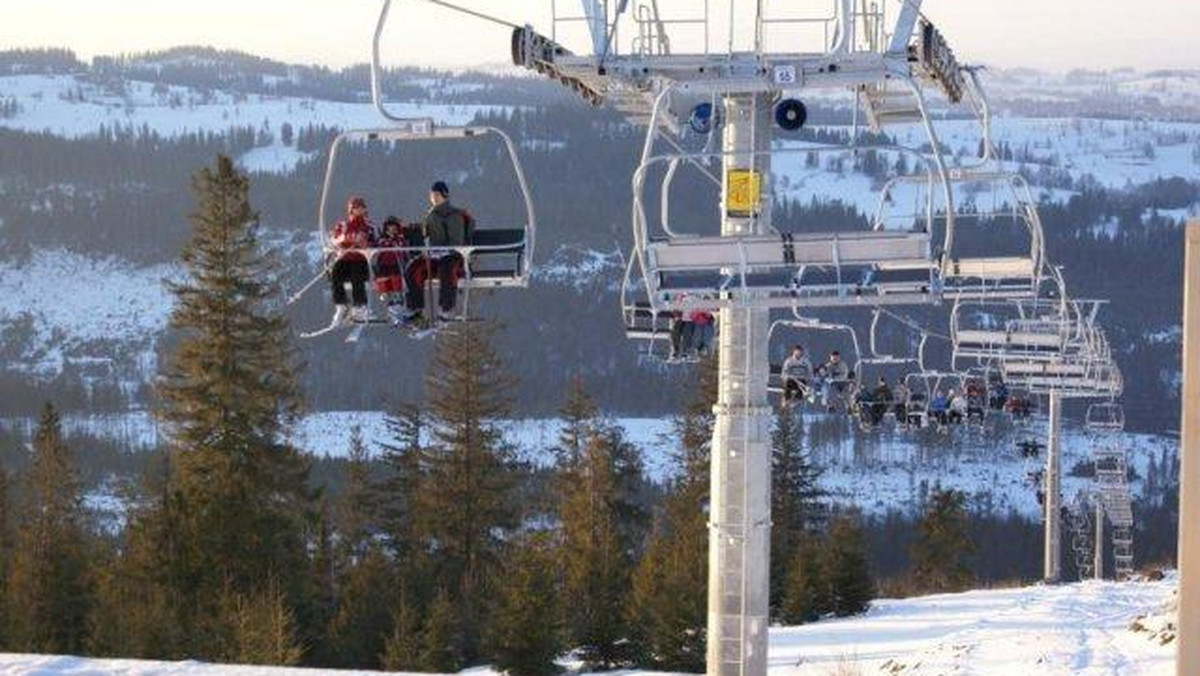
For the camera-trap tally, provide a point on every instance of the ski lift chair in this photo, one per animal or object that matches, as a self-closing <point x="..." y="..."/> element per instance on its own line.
<point x="1106" y="416"/>
<point x="770" y="269"/>
<point x="837" y="391"/>
<point x="491" y="258"/>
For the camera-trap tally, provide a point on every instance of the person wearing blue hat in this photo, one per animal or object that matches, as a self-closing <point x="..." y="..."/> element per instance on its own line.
<point x="445" y="226"/>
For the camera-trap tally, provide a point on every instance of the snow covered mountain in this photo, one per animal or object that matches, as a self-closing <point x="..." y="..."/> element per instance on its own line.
<point x="1091" y="628"/>
<point x="1079" y="137"/>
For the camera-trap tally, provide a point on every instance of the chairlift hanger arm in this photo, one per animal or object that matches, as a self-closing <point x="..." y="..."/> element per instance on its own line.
<point x="376" y="63"/>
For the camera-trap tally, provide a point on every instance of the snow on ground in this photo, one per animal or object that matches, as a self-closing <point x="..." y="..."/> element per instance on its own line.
<point x="325" y="433"/>
<point x="93" y="299"/>
<point x="71" y="106"/>
<point x="1081" y="629"/>
<point x="276" y="158"/>
<point x="1078" y="629"/>
<point x="876" y="472"/>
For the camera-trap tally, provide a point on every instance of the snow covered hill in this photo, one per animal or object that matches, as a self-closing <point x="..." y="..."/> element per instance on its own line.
<point x="1083" y="629"/>
<point x="877" y="473"/>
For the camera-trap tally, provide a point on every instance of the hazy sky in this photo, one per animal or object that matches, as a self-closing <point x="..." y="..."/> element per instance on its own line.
<point x="1048" y="34"/>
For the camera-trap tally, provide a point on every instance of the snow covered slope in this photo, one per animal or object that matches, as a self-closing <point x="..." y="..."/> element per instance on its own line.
<point x="877" y="473"/>
<point x="1081" y="629"/>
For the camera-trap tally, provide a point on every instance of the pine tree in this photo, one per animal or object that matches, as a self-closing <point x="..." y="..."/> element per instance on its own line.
<point x="795" y="501"/>
<point x="442" y="637"/>
<point x="466" y="498"/>
<point x="403" y="457"/>
<point x="847" y="568"/>
<point x="363" y="619"/>
<point x="354" y="512"/>
<point x="579" y="416"/>
<point x="262" y="628"/>
<point x="806" y="593"/>
<point x="237" y="500"/>
<point x="49" y="590"/>
<point x="139" y="597"/>
<point x="402" y="650"/>
<point x="365" y="576"/>
<point x="668" y="610"/>
<point x="941" y="554"/>
<point x="524" y="637"/>
<point x="596" y="550"/>
<point x="323" y="574"/>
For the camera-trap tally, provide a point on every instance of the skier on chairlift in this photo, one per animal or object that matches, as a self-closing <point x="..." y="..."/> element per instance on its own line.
<point x="882" y="398"/>
<point x="900" y="396"/>
<point x="350" y="236"/>
<point x="445" y="226"/>
<point x="797" y="376"/>
<point x="703" y="330"/>
<point x="389" y="265"/>
<point x="838" y="385"/>
<point x="939" y="407"/>
<point x="958" y="407"/>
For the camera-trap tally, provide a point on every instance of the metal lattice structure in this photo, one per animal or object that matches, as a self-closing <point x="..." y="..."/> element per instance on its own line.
<point x="718" y="87"/>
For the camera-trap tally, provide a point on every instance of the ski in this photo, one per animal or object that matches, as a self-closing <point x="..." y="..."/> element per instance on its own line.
<point x="322" y="331"/>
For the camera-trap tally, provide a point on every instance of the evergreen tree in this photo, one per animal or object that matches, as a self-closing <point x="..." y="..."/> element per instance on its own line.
<point x="237" y="499"/>
<point x="579" y="416"/>
<point x="261" y="628"/>
<point x="139" y="595"/>
<point x="49" y="590"/>
<point x="941" y="554"/>
<point x="846" y="567"/>
<point x="668" y="611"/>
<point x="403" y="458"/>
<point x="363" y="620"/>
<point x="355" y="528"/>
<point x="806" y="593"/>
<point x="466" y="499"/>
<point x="402" y="650"/>
<point x="323" y="580"/>
<point x="596" y="551"/>
<point x="441" y="637"/>
<point x="524" y="637"/>
<point x="795" y="501"/>
<point x="365" y="575"/>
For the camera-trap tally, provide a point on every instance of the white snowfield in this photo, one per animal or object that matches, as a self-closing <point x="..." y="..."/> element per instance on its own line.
<point x="1079" y="629"/>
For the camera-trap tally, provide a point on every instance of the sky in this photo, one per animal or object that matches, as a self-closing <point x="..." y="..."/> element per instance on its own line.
<point x="1053" y="35"/>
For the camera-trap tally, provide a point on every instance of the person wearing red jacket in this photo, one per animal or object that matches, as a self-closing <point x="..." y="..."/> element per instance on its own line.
<point x="349" y="236"/>
<point x="702" y="331"/>
<point x="389" y="265"/>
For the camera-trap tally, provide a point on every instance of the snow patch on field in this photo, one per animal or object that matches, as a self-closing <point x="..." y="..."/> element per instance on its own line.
<point x="1069" y="629"/>
<point x="878" y="472"/>
<point x="71" y="106"/>
<point x="276" y="158"/>
<point x="70" y="300"/>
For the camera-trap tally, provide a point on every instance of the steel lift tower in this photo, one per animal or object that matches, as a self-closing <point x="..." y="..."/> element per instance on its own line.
<point x="732" y="68"/>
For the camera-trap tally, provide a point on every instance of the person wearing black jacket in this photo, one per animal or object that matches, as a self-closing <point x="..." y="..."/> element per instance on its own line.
<point x="445" y="226"/>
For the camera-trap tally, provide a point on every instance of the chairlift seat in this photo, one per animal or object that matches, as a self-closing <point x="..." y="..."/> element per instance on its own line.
<point x="790" y="251"/>
<point x="994" y="268"/>
<point x="1000" y="344"/>
<point x="499" y="264"/>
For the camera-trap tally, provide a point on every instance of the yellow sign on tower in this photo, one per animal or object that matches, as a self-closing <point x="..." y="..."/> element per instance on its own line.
<point x="743" y="192"/>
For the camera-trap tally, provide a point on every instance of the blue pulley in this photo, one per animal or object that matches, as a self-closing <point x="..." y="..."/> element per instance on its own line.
<point x="703" y="119"/>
